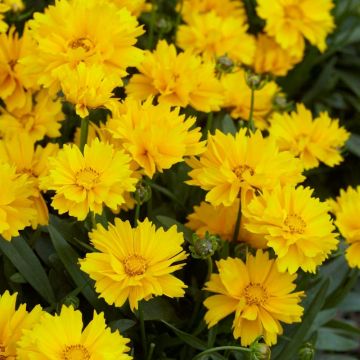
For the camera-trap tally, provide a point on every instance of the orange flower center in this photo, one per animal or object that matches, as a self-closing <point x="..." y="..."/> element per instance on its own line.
<point x="83" y="42"/>
<point x="135" y="265"/>
<point x="241" y="170"/>
<point x="2" y="352"/>
<point x="87" y="178"/>
<point x="295" y="224"/>
<point x="255" y="294"/>
<point x="294" y="12"/>
<point x="76" y="352"/>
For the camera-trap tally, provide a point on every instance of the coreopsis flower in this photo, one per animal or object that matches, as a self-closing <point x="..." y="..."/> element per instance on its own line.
<point x="13" y="323"/>
<point x="178" y="79"/>
<point x="223" y="9"/>
<point x="237" y="97"/>
<point x="296" y="226"/>
<point x="271" y="58"/>
<point x="70" y="340"/>
<point x="40" y="117"/>
<point x="135" y="264"/>
<point x="220" y="220"/>
<point x="212" y="36"/>
<point x="156" y="136"/>
<point x="312" y="140"/>
<point x="347" y="222"/>
<point x="89" y="31"/>
<point x="290" y="22"/>
<point x="233" y="163"/>
<point x="136" y="7"/>
<point x="88" y="87"/>
<point x="3" y="9"/>
<point x="16" y="205"/>
<point x="260" y="296"/>
<point x="31" y="160"/>
<point x="86" y="182"/>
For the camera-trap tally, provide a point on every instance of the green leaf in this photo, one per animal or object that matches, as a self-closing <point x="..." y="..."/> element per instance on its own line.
<point x="227" y="125"/>
<point x="69" y="258"/>
<point x="350" y="303"/>
<point x="353" y="144"/>
<point x="158" y="308"/>
<point x="344" y="326"/>
<point x="169" y="222"/>
<point x="331" y="340"/>
<point x="300" y="335"/>
<point x="23" y="258"/>
<point x="18" y="278"/>
<point x="122" y="325"/>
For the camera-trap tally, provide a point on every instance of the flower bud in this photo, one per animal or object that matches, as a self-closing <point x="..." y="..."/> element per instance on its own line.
<point x="307" y="352"/>
<point x="255" y="81"/>
<point x="224" y="65"/>
<point x="71" y="300"/>
<point x="164" y="25"/>
<point x="202" y="248"/>
<point x="259" y="351"/>
<point x="281" y="104"/>
<point x="142" y="192"/>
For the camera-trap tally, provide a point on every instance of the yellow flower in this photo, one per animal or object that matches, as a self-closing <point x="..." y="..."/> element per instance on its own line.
<point x="237" y="97"/>
<point x="271" y="58"/>
<point x="88" y="87"/>
<point x="220" y="220"/>
<point x="214" y="36"/>
<point x="179" y="79"/>
<point x="260" y="296"/>
<point x="292" y="21"/>
<point x="32" y="161"/>
<point x="156" y="136"/>
<point x="62" y="337"/>
<point x="224" y="8"/>
<point x="15" y="5"/>
<point x="231" y="163"/>
<point x="3" y="25"/>
<point x="348" y="224"/>
<point x="313" y="140"/>
<point x="16" y="207"/>
<point x="89" y="31"/>
<point x="39" y="117"/>
<point x="295" y="224"/>
<point x="13" y="322"/>
<point x="135" y="264"/>
<point x="136" y="7"/>
<point x="84" y="183"/>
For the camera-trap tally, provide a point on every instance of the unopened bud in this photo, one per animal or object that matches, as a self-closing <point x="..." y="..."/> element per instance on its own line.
<point x="255" y="81"/>
<point x="164" y="25"/>
<point x="259" y="351"/>
<point x="307" y="352"/>
<point x="281" y="104"/>
<point x="224" y="65"/>
<point x="202" y="248"/>
<point x="142" y="193"/>
<point x="72" y="300"/>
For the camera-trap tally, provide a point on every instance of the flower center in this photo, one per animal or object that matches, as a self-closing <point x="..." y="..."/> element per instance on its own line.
<point x="295" y="224"/>
<point x="135" y="265"/>
<point x="76" y="352"/>
<point x="255" y="294"/>
<point x="2" y="352"/>
<point x="87" y="178"/>
<point x="241" y="170"/>
<point x="293" y="12"/>
<point x="82" y="42"/>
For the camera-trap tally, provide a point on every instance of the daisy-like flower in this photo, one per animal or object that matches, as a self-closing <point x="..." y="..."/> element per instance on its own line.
<point x="296" y="225"/>
<point x="39" y="117"/>
<point x="32" y="161"/>
<point x="89" y="31"/>
<point x="178" y="79"/>
<point x="271" y="58"/>
<point x="16" y="207"/>
<point x="157" y="137"/>
<point x="223" y="8"/>
<point x="88" y="87"/>
<point x="290" y="22"/>
<point x="63" y="337"/>
<point x="86" y="182"/>
<point x="13" y="323"/>
<point x="220" y="220"/>
<point x="212" y="36"/>
<point x="347" y="222"/>
<point x="233" y="163"/>
<point x="237" y="97"/>
<point x="312" y="140"/>
<point x="260" y="296"/>
<point x="136" y="7"/>
<point x="135" y="264"/>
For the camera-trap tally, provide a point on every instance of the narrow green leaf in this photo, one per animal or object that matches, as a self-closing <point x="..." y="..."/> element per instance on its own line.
<point x="23" y="258"/>
<point x="122" y="325"/>
<point x="291" y="348"/>
<point x="331" y="340"/>
<point x="158" y="308"/>
<point x="344" y="326"/>
<point x="353" y="144"/>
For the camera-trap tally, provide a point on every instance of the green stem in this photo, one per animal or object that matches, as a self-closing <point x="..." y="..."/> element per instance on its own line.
<point x="178" y="16"/>
<point x="84" y="133"/>
<point x="137" y="208"/>
<point x="237" y="224"/>
<point x="152" y="25"/>
<point x="151" y="351"/>
<point x="142" y="330"/>
<point x="219" y="348"/>
<point x="210" y="268"/>
<point x="251" y="125"/>
<point x="209" y="124"/>
<point x="93" y="219"/>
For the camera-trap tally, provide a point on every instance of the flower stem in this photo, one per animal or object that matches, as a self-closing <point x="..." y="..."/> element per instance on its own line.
<point x="137" y="208"/>
<point x="151" y="351"/>
<point x="84" y="133"/>
<point x="251" y="125"/>
<point x="142" y="330"/>
<point x="219" y="348"/>
<point x="238" y="221"/>
<point x="152" y="25"/>
<point x="209" y="124"/>
<point x="210" y="268"/>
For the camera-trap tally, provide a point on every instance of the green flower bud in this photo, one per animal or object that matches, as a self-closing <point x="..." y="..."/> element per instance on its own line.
<point x="255" y="81"/>
<point x="307" y="352"/>
<point x="281" y="104"/>
<point x="164" y="25"/>
<point x="202" y="248"/>
<point x="224" y="65"/>
<point x="71" y="300"/>
<point x="142" y="192"/>
<point x="259" y="351"/>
